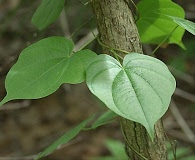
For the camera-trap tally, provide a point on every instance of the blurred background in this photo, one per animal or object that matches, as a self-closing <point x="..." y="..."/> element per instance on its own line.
<point x="29" y="126"/>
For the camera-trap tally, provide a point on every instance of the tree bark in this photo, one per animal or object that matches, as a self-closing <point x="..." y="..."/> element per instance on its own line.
<point x="117" y="30"/>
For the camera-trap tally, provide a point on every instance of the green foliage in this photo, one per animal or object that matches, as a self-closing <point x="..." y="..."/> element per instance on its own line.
<point x="116" y="148"/>
<point x="47" y="13"/>
<point x="154" y="26"/>
<point x="65" y="138"/>
<point x="117" y="151"/>
<point x="132" y="90"/>
<point x="85" y="57"/>
<point x="180" y="61"/>
<point x="43" y="67"/>
<point x="104" y="118"/>
<point x="182" y="153"/>
<point x="188" y="25"/>
<point x="140" y="89"/>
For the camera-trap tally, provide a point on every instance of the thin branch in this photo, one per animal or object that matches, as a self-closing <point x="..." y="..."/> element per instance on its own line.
<point x="169" y="123"/>
<point x="13" y="106"/>
<point x="179" y="135"/>
<point x="180" y="120"/>
<point x="64" y="23"/>
<point x="181" y="75"/>
<point x="82" y="42"/>
<point x="184" y="94"/>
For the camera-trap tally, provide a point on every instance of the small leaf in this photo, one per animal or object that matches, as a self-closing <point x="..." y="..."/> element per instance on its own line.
<point x="140" y="90"/>
<point x="47" y="13"/>
<point x="188" y="25"/>
<point x="43" y="67"/>
<point x="64" y="139"/>
<point x="154" y="27"/>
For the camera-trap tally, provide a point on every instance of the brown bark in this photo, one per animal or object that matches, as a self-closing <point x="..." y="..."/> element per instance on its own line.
<point x="117" y="30"/>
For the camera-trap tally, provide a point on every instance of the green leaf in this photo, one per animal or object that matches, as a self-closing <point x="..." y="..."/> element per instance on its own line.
<point x="64" y="139"/>
<point x="154" y="26"/>
<point x="104" y="118"/>
<point x="140" y="90"/>
<point x="47" y="13"/>
<point x="43" y="67"/>
<point x="86" y="56"/>
<point x="188" y="25"/>
<point x="188" y="158"/>
<point x="117" y="149"/>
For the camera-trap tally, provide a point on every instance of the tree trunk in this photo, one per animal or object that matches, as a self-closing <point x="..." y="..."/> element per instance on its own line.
<point x="117" y="30"/>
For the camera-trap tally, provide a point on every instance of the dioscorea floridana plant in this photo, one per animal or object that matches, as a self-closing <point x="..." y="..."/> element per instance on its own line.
<point x="139" y="88"/>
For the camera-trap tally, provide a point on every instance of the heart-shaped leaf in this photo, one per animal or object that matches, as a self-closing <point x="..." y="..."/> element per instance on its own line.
<point x="43" y="67"/>
<point x="154" y="27"/>
<point x="140" y="90"/>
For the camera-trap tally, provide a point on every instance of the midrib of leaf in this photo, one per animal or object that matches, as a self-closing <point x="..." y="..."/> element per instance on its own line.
<point x="48" y="2"/>
<point x="37" y="78"/>
<point x="132" y="84"/>
<point x="29" y="65"/>
<point x="58" y="78"/>
<point x="41" y="61"/>
<point x="49" y="12"/>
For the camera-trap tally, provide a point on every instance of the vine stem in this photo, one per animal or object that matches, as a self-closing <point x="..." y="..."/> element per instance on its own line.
<point x="164" y="40"/>
<point x="113" y="49"/>
<point x="144" y="158"/>
<point x="136" y="16"/>
<point x="121" y="32"/>
<point x="115" y="55"/>
<point x="88" y="43"/>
